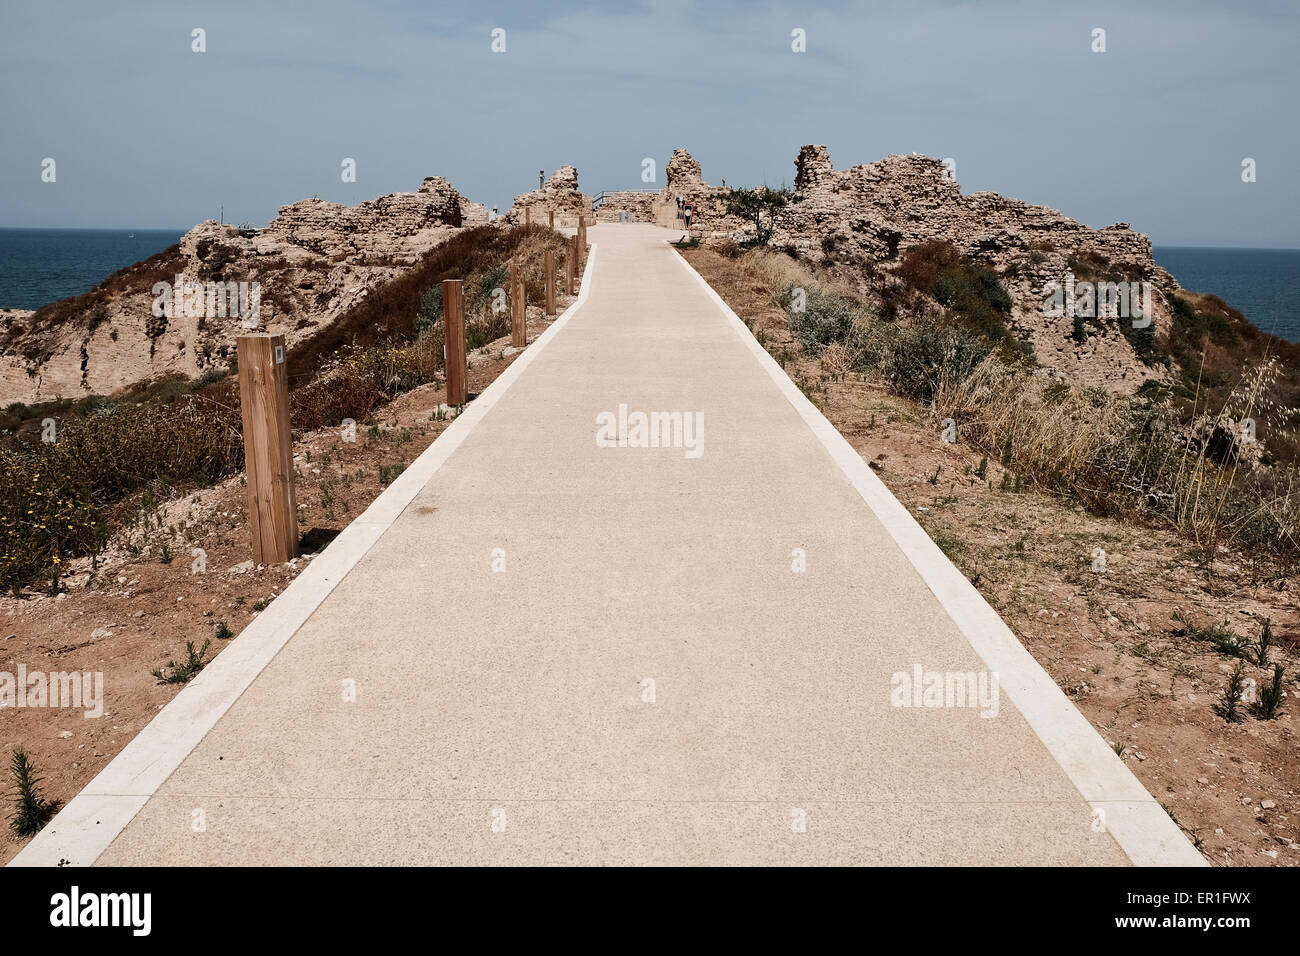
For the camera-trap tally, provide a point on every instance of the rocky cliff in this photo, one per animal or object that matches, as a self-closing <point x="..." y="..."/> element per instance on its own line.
<point x="311" y="263"/>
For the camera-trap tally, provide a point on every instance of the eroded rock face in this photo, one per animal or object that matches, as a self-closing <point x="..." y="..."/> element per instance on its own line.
<point x="314" y="261"/>
<point x="560" y="195"/>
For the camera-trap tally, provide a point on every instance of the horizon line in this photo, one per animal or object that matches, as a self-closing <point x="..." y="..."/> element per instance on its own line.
<point x="182" y="231"/>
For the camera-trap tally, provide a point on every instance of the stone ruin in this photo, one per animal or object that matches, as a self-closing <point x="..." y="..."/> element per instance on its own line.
<point x="560" y="195"/>
<point x="874" y="213"/>
<point x="684" y="181"/>
<point x="403" y="225"/>
<point x="877" y="211"/>
<point x="881" y="208"/>
<point x="326" y="256"/>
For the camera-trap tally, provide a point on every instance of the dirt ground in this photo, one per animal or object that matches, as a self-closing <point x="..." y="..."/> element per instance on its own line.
<point x="1116" y="641"/>
<point x="150" y="593"/>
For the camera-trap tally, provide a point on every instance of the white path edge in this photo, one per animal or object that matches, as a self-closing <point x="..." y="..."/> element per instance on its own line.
<point x="1139" y="825"/>
<point x="92" y="820"/>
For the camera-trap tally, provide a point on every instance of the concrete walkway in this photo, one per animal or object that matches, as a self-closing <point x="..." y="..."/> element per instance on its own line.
<point x="647" y="681"/>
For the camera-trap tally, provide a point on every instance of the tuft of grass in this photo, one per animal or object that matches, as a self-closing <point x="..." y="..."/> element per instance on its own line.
<point x="173" y="673"/>
<point x="223" y="631"/>
<point x="31" y="810"/>
<point x="1225" y="639"/>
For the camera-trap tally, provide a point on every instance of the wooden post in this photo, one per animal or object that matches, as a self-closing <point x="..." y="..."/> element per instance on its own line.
<point x="268" y="447"/>
<point x="528" y="217"/>
<point x="582" y="235"/>
<point x="552" y="215"/>
<point x="571" y="265"/>
<point x="518" y="315"/>
<point x="453" y="311"/>
<point x="548" y="263"/>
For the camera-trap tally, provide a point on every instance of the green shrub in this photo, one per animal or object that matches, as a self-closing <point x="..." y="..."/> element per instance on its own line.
<point x="917" y="358"/>
<point x="825" y="317"/>
<point x="430" y="309"/>
<point x="58" y="499"/>
<point x="975" y="298"/>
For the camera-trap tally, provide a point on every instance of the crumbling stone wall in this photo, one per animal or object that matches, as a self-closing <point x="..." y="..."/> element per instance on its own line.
<point x="638" y="204"/>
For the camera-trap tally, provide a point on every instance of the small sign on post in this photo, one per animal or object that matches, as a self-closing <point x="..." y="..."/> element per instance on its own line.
<point x="548" y="263"/>
<point x="268" y="447"/>
<point x="453" y="310"/>
<point x="518" y="315"/>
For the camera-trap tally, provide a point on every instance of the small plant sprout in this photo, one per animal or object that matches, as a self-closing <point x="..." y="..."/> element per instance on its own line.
<point x="1264" y="643"/>
<point x="173" y="673"/>
<point x="31" y="810"/>
<point x="1229" y="706"/>
<point x="1270" y="696"/>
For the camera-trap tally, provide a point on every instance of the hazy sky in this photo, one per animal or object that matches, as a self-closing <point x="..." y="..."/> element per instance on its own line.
<point x="147" y="133"/>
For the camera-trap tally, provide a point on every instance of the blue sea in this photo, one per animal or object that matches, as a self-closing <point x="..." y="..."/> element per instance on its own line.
<point x="38" y="266"/>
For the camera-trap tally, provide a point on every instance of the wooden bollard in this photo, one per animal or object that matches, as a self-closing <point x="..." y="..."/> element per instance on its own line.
<point x="528" y="217"/>
<point x="582" y="235"/>
<point x="571" y="266"/>
<point x="552" y="218"/>
<point x="268" y="447"/>
<point x="453" y="311"/>
<point x="518" y="315"/>
<point x="548" y="263"/>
